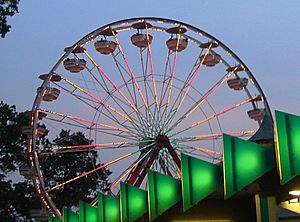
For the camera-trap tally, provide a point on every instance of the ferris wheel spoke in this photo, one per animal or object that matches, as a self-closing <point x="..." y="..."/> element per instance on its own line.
<point x="191" y="149"/>
<point x="137" y="176"/>
<point x="77" y="119"/>
<point x="109" y="108"/>
<point x="202" y="100"/>
<point x="210" y="92"/>
<point x="141" y="176"/>
<point x="82" y="148"/>
<point x="103" y="85"/>
<point x="106" y="89"/>
<point x="111" y="82"/>
<point x="123" y="175"/>
<point x="214" y="136"/>
<point x="96" y="99"/>
<point x="151" y="64"/>
<point x="113" y="145"/>
<point x="92" y="171"/>
<point x="163" y="91"/>
<point x="110" y="115"/>
<point x="185" y="84"/>
<point x="142" y="118"/>
<point x="173" y="111"/>
<point x="133" y="78"/>
<point x="143" y="163"/>
<point x="129" y="169"/>
<point x="217" y="114"/>
<point x="116" y="181"/>
<point x="170" y="83"/>
<point x="136" y="171"/>
<point x="120" y="67"/>
<point x="148" y="112"/>
<point x="62" y="122"/>
<point x="209" y="151"/>
<point x="144" y="71"/>
<point x="152" y="90"/>
<point x="172" y="72"/>
<point x="131" y="136"/>
<point x="191" y="81"/>
<point x="148" y="89"/>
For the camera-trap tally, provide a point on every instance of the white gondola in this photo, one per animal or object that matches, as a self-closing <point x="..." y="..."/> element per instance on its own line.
<point x="237" y="83"/>
<point x="212" y="44"/>
<point x="50" y="93"/>
<point x="74" y="65"/>
<point x="40" y="214"/>
<point x="27" y="172"/>
<point x="172" y="44"/>
<point x="40" y="131"/>
<point x="27" y="130"/>
<point x="235" y="69"/>
<point x="30" y="115"/>
<point x="54" y="77"/>
<point x="105" y="47"/>
<point x="256" y="114"/>
<point x="31" y="154"/>
<point x="211" y="59"/>
<point x="140" y="40"/>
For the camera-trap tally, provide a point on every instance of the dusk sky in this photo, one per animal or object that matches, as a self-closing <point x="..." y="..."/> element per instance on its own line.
<point x="264" y="34"/>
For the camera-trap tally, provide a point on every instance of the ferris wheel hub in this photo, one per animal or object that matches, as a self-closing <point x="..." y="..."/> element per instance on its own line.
<point x="162" y="141"/>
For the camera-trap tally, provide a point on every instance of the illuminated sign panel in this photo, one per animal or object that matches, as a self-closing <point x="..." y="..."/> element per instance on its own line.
<point x="243" y="163"/>
<point x="163" y="192"/>
<point x="199" y="179"/>
<point x="87" y="213"/>
<point x="288" y="145"/>
<point x="108" y="208"/>
<point x="69" y="216"/>
<point x="133" y="203"/>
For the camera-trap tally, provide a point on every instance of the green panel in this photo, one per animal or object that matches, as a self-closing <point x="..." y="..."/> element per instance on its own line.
<point x="134" y="203"/>
<point x="53" y="219"/>
<point x="108" y="208"/>
<point x="69" y="216"/>
<point x="243" y="163"/>
<point x="264" y="209"/>
<point x="199" y="179"/>
<point x="288" y="145"/>
<point x="87" y="213"/>
<point x="163" y="192"/>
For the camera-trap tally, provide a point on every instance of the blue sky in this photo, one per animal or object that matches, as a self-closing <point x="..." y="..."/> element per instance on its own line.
<point x="264" y="34"/>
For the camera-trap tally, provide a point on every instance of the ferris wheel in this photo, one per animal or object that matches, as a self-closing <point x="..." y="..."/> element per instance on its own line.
<point x="144" y="90"/>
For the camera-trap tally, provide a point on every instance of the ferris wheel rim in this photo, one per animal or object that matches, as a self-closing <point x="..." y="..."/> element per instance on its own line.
<point x="46" y="82"/>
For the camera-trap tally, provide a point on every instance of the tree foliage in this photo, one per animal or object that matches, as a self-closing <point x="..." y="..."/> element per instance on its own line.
<point x="7" y="8"/>
<point x="12" y="142"/>
<point x="59" y="167"/>
<point x="17" y="196"/>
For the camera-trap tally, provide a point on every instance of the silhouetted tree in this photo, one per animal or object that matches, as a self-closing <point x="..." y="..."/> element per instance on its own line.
<point x="17" y="197"/>
<point x="60" y="167"/>
<point x="7" y="8"/>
